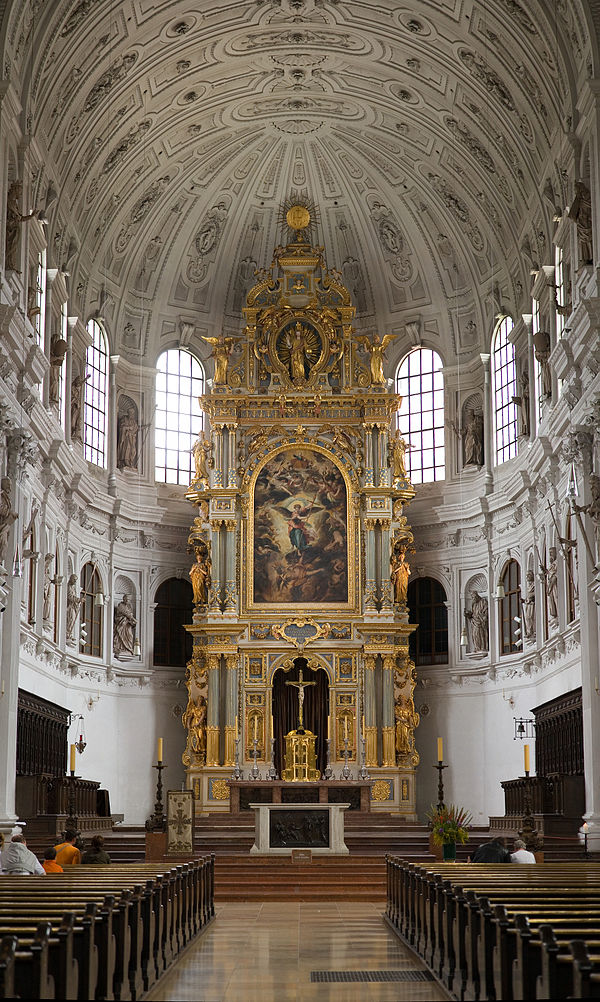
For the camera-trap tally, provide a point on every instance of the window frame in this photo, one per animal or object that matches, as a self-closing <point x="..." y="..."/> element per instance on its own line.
<point x="175" y="615"/>
<point x="181" y="473"/>
<point x="92" y="615"/>
<point x="419" y="424"/>
<point x="430" y="656"/>
<point x="95" y="400"/>
<point x="504" y="365"/>
<point x="39" y="323"/>
<point x="509" y="606"/>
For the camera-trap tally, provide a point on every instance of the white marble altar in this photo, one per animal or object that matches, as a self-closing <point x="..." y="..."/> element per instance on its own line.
<point x="309" y="833"/>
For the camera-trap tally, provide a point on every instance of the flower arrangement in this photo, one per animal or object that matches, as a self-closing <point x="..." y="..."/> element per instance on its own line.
<point x="450" y="824"/>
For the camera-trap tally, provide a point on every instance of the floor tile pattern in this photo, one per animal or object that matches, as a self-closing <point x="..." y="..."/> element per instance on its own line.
<point x="268" y="952"/>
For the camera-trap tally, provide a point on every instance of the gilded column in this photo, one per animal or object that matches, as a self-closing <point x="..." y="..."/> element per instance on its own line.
<point x="370" y="601"/>
<point x="213" y="664"/>
<point x="382" y="456"/>
<point x="218" y="433"/>
<point x="369" y="707"/>
<point x="214" y="597"/>
<point x="388" y="720"/>
<point x="387" y="601"/>
<point x="232" y="456"/>
<point x="231" y="706"/>
<point x="369" y="470"/>
<point x="231" y="592"/>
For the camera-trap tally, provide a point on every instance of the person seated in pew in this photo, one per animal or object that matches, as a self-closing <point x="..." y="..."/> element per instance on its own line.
<point x="67" y="853"/>
<point x="50" y="865"/>
<point x="18" y="860"/>
<point x="494" y="851"/>
<point x="521" y="853"/>
<point x="96" y="853"/>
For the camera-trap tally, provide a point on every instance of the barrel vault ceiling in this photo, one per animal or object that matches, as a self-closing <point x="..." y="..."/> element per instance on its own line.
<point x="431" y="135"/>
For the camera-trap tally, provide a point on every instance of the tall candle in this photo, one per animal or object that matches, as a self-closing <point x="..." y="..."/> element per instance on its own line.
<point x="329" y="727"/>
<point x="526" y="757"/>
<point x="159" y="750"/>
<point x="236" y="725"/>
<point x="72" y="758"/>
<point x="345" y="728"/>
<point x="272" y="727"/>
<point x="440" y="750"/>
<point x="256" y="728"/>
<point x="363" y="725"/>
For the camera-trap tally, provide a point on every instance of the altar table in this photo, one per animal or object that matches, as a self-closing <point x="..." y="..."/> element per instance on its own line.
<point x="243" y="793"/>
<point x="280" y="828"/>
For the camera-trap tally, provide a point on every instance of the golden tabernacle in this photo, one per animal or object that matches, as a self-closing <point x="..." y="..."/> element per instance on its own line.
<point x="300" y="758"/>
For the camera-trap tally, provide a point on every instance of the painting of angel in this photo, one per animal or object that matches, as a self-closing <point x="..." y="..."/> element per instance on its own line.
<point x="300" y="530"/>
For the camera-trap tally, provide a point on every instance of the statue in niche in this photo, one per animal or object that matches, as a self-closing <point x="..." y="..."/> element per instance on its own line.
<point x="123" y="628"/>
<point x="593" y="508"/>
<point x="58" y="350"/>
<point x="376" y="349"/>
<point x="398" y="449"/>
<point x="477" y="615"/>
<point x="14" y="220"/>
<point x="473" y="439"/>
<point x="399" y="575"/>
<point x="48" y="582"/>
<point x="221" y="350"/>
<point x="580" y="213"/>
<point x="127" y="439"/>
<point x="522" y="403"/>
<point x="201" y="451"/>
<point x="7" y="515"/>
<point x="76" y="408"/>
<point x="528" y="604"/>
<point x="74" y="602"/>
<point x="295" y="342"/>
<point x="551" y="574"/>
<point x="541" y="344"/>
<point x="200" y="575"/>
<point x="194" y="719"/>
<point x="406" y="720"/>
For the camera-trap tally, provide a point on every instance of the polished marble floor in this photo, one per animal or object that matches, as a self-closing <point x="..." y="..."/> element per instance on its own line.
<point x="265" y="952"/>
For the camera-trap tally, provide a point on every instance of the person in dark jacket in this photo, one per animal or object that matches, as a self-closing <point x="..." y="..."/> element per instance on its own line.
<point x="494" y="851"/>
<point x="96" y="853"/>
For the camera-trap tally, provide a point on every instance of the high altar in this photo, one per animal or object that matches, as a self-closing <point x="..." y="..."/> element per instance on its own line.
<point x="300" y="543"/>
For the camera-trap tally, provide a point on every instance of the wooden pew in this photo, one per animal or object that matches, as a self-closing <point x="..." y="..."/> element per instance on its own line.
<point x="8" y="946"/>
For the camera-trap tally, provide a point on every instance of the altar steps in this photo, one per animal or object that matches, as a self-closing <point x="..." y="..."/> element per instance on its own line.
<point x="273" y="878"/>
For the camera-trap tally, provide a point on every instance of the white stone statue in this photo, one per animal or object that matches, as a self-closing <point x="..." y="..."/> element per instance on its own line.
<point x="551" y="572"/>
<point x="48" y="582"/>
<point x="74" y="601"/>
<point x="478" y="617"/>
<point x="7" y="515"/>
<point x="123" y="628"/>
<point x="528" y="605"/>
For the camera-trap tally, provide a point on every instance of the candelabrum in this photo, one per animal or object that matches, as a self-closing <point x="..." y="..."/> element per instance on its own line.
<point x="345" y="771"/>
<point x="272" y="773"/>
<point x="364" y="772"/>
<point x="328" y="770"/>
<point x="254" y="773"/>
<point x="237" y="772"/>
<point x="157" y="822"/>
<point x="440" y="768"/>
<point x="71" y="819"/>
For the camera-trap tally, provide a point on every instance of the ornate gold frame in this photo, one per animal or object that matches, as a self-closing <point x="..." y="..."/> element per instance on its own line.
<point x="329" y="609"/>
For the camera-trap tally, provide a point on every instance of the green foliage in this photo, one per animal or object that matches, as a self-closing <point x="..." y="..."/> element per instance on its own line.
<point x="450" y="824"/>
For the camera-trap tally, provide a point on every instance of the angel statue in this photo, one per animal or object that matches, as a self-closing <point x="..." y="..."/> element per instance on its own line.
<point x="397" y="458"/>
<point x="201" y="451"/>
<point x="221" y="350"/>
<point x="376" y="348"/>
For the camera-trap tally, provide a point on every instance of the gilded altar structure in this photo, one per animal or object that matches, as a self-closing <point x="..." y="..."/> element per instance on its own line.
<point x="300" y="543"/>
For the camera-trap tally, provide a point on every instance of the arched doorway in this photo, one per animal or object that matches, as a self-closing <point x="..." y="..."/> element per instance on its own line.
<point x="285" y="708"/>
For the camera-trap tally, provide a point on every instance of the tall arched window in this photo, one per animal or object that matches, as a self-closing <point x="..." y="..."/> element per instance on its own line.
<point x="420" y="381"/>
<point x="173" y="644"/>
<point x="92" y="608"/>
<point x="427" y="606"/>
<point x="179" y="420"/>
<point x="509" y="610"/>
<point x="504" y="388"/>
<point x="95" y="400"/>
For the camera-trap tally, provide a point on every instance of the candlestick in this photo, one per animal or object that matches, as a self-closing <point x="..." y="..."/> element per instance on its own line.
<point x="440" y="750"/>
<point x="157" y="822"/>
<point x="363" y="725"/>
<point x="526" y="758"/>
<point x="345" y="728"/>
<point x="440" y="768"/>
<point x="255" y="718"/>
<point x="72" y="760"/>
<point x="236" y="725"/>
<point x="159" y="752"/>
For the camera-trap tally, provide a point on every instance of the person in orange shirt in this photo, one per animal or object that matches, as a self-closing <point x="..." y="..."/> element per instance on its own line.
<point x="67" y="854"/>
<point x="50" y="865"/>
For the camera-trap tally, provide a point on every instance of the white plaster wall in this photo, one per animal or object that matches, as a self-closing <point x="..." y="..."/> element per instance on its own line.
<point x="122" y="728"/>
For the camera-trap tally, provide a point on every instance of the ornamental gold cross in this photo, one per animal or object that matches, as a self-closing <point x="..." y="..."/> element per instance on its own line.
<point x="301" y="686"/>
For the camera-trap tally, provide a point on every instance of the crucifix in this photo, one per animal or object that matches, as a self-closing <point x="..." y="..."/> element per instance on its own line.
<point x="301" y="686"/>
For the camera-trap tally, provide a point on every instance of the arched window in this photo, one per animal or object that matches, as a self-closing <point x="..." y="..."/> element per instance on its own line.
<point x="173" y="644"/>
<point x="504" y="388"/>
<point x="509" y="610"/>
<point x="179" y="383"/>
<point x="39" y="300"/>
<point x="420" y="381"/>
<point x="92" y="608"/>
<point x="560" y="290"/>
<point x="94" y="407"/>
<point x="427" y="606"/>
<point x="571" y="569"/>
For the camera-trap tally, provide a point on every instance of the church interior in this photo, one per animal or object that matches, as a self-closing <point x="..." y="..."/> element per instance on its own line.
<point x="300" y="427"/>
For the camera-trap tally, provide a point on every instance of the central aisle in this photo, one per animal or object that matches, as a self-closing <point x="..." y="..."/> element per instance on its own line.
<point x="268" y="951"/>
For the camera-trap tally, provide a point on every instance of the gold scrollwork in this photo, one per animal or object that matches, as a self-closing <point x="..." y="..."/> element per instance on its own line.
<point x="219" y="789"/>
<point x="381" y="790"/>
<point x="281" y="631"/>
